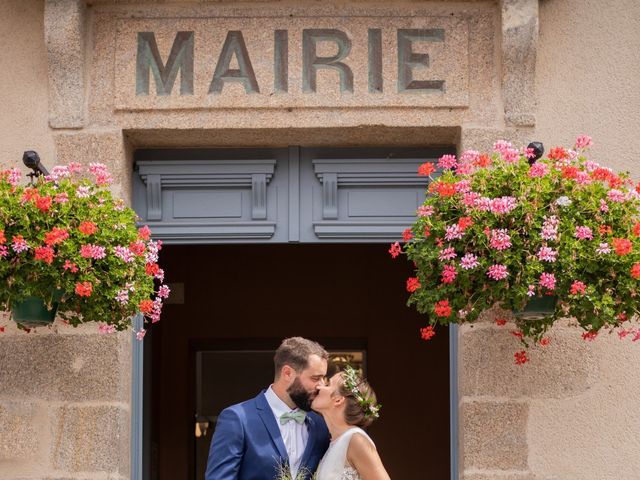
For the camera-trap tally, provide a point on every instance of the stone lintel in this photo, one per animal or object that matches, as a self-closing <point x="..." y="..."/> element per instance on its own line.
<point x="519" y="44"/>
<point x="64" y="33"/>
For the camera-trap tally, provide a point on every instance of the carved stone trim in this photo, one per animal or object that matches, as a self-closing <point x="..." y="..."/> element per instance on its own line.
<point x="64" y="34"/>
<point x="519" y="44"/>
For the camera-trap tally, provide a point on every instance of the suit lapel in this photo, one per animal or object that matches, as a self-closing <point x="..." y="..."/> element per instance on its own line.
<point x="269" y="420"/>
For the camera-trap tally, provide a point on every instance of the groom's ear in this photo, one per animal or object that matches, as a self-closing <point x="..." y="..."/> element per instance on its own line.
<point x="287" y="372"/>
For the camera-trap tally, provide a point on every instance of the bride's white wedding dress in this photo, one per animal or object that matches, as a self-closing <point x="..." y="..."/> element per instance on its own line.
<point x="334" y="464"/>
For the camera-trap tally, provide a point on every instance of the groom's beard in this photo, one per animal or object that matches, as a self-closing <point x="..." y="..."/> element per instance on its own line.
<point x="300" y="396"/>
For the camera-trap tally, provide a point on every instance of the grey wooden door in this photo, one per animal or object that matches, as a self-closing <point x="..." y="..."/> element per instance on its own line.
<point x="280" y="195"/>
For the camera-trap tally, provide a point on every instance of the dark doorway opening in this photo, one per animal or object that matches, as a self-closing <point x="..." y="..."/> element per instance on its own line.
<point x="246" y="298"/>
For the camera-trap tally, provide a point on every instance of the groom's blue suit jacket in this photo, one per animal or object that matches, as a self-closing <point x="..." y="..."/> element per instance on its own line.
<point x="247" y="444"/>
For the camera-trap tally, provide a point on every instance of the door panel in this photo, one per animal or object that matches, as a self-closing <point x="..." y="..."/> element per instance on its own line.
<point x="317" y="195"/>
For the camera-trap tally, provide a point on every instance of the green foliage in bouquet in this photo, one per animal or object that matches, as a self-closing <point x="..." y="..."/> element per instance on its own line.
<point x="284" y="473"/>
<point x="67" y="235"/>
<point x="499" y="229"/>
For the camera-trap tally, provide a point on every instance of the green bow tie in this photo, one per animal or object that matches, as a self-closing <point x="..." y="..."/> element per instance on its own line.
<point x="297" y="415"/>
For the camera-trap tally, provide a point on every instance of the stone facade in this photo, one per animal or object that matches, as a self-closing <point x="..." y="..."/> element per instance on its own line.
<point x="514" y="69"/>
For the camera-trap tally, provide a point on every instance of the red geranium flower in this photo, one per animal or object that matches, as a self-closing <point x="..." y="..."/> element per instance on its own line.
<point x="557" y="153"/>
<point x="152" y="268"/>
<point x="88" y="228"/>
<point x="46" y="254"/>
<point x="395" y="250"/>
<point x="144" y="233"/>
<point x="72" y="267"/>
<point x="426" y="169"/>
<point x="570" y="171"/>
<point x="84" y="289"/>
<point x="44" y="203"/>
<point x="521" y="357"/>
<point x="55" y="236"/>
<point x="465" y="222"/>
<point x="622" y="246"/>
<point x="413" y="284"/>
<point x="606" y="229"/>
<point x="446" y="189"/>
<point x="483" y="160"/>
<point x="146" y="306"/>
<point x="442" y="308"/>
<point x="137" y="247"/>
<point x="427" y="332"/>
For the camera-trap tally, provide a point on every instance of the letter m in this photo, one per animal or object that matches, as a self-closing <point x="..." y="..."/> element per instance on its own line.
<point x="180" y="58"/>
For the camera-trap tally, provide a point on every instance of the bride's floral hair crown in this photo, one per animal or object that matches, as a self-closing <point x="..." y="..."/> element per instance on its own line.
<point x="367" y="403"/>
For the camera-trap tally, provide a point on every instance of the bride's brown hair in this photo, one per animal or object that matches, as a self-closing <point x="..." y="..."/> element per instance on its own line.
<point x="355" y="414"/>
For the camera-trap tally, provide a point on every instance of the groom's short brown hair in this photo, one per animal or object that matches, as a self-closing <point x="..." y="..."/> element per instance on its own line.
<point x="295" y="352"/>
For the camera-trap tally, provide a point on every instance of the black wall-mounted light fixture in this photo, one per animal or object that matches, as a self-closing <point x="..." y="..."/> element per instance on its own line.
<point x="538" y="151"/>
<point x="32" y="160"/>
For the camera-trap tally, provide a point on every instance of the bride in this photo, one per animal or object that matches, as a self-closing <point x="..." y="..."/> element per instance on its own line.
<point x="348" y="404"/>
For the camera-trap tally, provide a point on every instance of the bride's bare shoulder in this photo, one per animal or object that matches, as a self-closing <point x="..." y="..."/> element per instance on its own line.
<point x="363" y="456"/>
<point x="360" y="446"/>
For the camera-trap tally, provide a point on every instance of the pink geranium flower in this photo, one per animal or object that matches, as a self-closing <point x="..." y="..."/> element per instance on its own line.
<point x="583" y="233"/>
<point x="583" y="141"/>
<point x="548" y="280"/>
<point x="447" y="161"/>
<point x="469" y="261"/>
<point x="547" y="254"/>
<point x="449" y="274"/>
<point x="447" y="254"/>
<point x="500" y="239"/>
<point x="497" y="272"/>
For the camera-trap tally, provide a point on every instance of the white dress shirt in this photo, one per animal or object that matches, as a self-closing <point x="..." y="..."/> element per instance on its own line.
<point x="294" y="434"/>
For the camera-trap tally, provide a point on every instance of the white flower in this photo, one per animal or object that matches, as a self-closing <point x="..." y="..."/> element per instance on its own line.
<point x="564" y="201"/>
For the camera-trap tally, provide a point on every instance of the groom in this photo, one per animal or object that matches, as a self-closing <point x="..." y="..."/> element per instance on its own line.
<point x="276" y="428"/>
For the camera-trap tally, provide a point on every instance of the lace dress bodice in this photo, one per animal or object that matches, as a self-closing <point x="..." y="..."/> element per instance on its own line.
<point x="334" y="464"/>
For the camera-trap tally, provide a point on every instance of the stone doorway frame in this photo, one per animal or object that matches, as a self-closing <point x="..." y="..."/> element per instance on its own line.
<point x="138" y="379"/>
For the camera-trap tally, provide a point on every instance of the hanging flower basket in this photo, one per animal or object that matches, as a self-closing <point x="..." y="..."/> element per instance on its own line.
<point x="547" y="239"/>
<point x="34" y="312"/>
<point x="65" y="239"/>
<point x="538" y="308"/>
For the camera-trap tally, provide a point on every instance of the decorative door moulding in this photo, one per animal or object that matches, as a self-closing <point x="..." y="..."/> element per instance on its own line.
<point x="254" y="174"/>
<point x="367" y="198"/>
<point x="211" y="190"/>
<point x="285" y="195"/>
